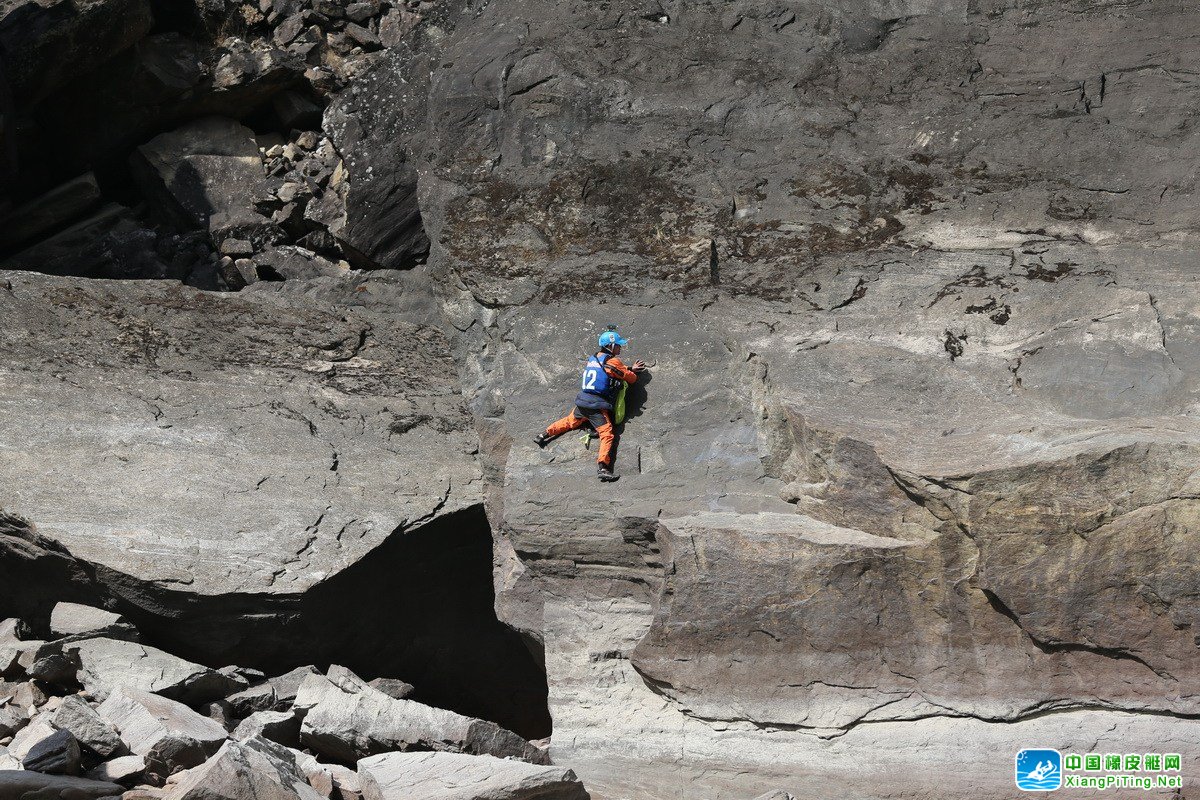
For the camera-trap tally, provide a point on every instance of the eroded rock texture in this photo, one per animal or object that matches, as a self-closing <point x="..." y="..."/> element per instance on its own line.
<point x="911" y="482"/>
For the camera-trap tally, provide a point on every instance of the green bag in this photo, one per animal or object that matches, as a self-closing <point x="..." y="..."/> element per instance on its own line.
<point x="619" y="406"/>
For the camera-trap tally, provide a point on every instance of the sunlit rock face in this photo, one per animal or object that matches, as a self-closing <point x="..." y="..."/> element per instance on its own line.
<point x="910" y="483"/>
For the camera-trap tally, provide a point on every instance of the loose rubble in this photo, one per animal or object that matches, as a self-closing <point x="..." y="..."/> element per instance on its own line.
<point x="111" y="728"/>
<point x="184" y="207"/>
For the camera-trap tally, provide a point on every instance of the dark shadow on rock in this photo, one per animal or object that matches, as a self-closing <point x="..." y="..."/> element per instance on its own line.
<point x="635" y="403"/>
<point x="635" y="396"/>
<point x="418" y="607"/>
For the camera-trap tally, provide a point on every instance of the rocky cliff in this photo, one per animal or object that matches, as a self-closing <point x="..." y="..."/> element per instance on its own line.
<point x="911" y="483"/>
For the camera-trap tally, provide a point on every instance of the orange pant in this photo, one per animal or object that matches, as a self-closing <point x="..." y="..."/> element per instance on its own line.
<point x="599" y="419"/>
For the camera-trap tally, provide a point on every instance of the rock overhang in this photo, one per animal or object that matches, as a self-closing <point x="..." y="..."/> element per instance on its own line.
<point x="281" y="442"/>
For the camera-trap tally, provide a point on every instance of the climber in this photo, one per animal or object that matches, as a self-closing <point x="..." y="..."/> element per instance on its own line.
<point x="593" y="405"/>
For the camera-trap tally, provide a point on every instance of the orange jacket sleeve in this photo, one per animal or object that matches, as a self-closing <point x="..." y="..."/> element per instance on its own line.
<point x="615" y="368"/>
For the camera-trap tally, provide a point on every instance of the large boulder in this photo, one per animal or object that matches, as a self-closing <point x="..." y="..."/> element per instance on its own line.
<point x="73" y="619"/>
<point x="209" y="175"/>
<point x="168" y="735"/>
<point x="453" y="776"/>
<point x="273" y="694"/>
<point x="56" y="754"/>
<point x="375" y="214"/>
<point x="345" y="719"/>
<point x="125" y="770"/>
<point x="22" y="785"/>
<point x="93" y="732"/>
<point x="343" y="389"/>
<point x="107" y="664"/>
<point x="282" y="727"/>
<point x="255" y="768"/>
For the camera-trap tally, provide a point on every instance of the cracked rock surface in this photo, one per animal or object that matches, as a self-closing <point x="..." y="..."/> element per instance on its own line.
<point x="309" y="411"/>
<point x="912" y="480"/>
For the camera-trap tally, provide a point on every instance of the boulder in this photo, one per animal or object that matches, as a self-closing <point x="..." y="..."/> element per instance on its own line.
<point x="254" y="768"/>
<point x="318" y="775"/>
<point x="109" y="242"/>
<point x="274" y="694"/>
<point x="295" y="111"/>
<point x="220" y="712"/>
<point x="249" y="73"/>
<point x="454" y="776"/>
<point x="57" y="207"/>
<point x="12" y="718"/>
<point x="393" y="687"/>
<point x="56" y="754"/>
<point x="50" y="665"/>
<point x="347" y="785"/>
<point x="287" y="262"/>
<point x="72" y="619"/>
<point x="376" y="216"/>
<point x="242" y="677"/>
<point x="208" y="175"/>
<point x="27" y="694"/>
<point x="38" y="730"/>
<point x="125" y="770"/>
<point x="168" y="735"/>
<point x="36" y="786"/>
<point x="345" y="719"/>
<point x="282" y="727"/>
<point x="17" y="656"/>
<point x="106" y="664"/>
<point x="13" y="630"/>
<point x="93" y="732"/>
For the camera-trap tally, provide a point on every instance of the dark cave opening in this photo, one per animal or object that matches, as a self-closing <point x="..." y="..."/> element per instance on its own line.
<point x="419" y="607"/>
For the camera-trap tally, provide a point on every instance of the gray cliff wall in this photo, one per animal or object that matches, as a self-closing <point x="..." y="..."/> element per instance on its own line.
<point x="912" y="480"/>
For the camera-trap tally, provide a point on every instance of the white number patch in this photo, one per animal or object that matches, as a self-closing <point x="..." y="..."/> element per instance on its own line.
<point x="589" y="379"/>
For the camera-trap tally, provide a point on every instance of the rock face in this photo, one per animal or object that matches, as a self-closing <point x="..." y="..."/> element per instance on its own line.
<point x="918" y="448"/>
<point x="324" y="404"/>
<point x="913" y="474"/>
<point x="34" y="36"/>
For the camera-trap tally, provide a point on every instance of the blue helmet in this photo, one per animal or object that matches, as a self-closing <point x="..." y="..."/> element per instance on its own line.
<point x="610" y="337"/>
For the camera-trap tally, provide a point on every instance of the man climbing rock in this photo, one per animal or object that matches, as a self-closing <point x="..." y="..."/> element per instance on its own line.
<point x="602" y="379"/>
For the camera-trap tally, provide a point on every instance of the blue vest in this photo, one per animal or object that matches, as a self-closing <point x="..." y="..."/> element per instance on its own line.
<point x="595" y="379"/>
